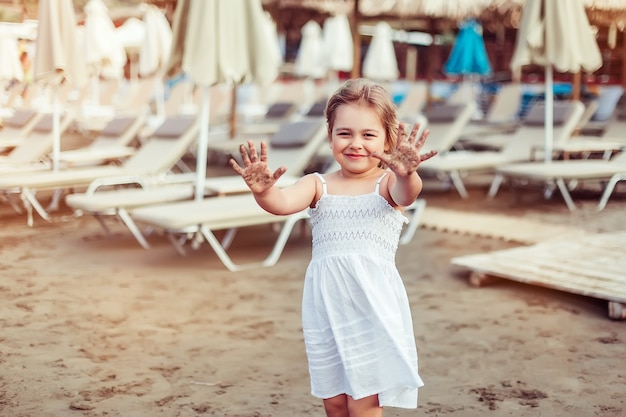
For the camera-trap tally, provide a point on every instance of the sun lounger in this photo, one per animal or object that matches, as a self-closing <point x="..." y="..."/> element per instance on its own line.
<point x="203" y="218"/>
<point x="300" y="142"/>
<point x="154" y="159"/>
<point x="32" y="152"/>
<point x="559" y="173"/>
<point x="414" y="101"/>
<point x="519" y="146"/>
<point x="268" y="107"/>
<point x="17" y="127"/>
<point x="501" y="117"/>
<point x="445" y="124"/>
<point x="609" y="109"/>
<point x="111" y="144"/>
<point x="585" y="146"/>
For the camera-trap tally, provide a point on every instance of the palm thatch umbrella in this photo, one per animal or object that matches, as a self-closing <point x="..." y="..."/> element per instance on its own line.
<point x="606" y="12"/>
<point x="290" y="12"/>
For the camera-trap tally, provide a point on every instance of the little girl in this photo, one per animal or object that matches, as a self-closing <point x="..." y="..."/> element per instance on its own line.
<point x="356" y="318"/>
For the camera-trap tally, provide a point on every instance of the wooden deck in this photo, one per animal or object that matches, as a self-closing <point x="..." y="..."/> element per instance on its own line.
<point x="590" y="265"/>
<point x="495" y="226"/>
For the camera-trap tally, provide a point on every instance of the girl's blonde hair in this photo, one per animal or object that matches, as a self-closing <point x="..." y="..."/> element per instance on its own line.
<point x="363" y="91"/>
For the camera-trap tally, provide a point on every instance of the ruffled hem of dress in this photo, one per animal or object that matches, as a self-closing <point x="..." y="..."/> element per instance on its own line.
<point x="382" y="403"/>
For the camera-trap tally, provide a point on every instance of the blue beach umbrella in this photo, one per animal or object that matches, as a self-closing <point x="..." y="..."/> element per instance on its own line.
<point x="469" y="56"/>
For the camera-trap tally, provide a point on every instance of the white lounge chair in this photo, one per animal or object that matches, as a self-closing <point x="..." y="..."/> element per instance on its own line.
<point x="32" y="152"/>
<point x="561" y="173"/>
<point x="586" y="146"/>
<point x="154" y="159"/>
<point x="501" y="117"/>
<point x="17" y="127"/>
<point x="203" y="218"/>
<point x="445" y="125"/>
<point x="111" y="144"/>
<point x="305" y="138"/>
<point x="519" y="146"/>
<point x="200" y="219"/>
<point x="414" y="101"/>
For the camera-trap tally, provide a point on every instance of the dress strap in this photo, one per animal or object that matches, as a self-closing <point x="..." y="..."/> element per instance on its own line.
<point x="377" y="189"/>
<point x="323" y="181"/>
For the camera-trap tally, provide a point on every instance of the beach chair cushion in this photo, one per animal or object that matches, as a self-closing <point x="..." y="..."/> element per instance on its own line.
<point x="317" y="109"/>
<point x="44" y="125"/>
<point x="279" y="110"/>
<point x="607" y="102"/>
<point x="117" y="126"/>
<point x="536" y="114"/>
<point x="443" y="113"/>
<point x="174" y="127"/>
<point x="20" y="118"/>
<point x="295" y="134"/>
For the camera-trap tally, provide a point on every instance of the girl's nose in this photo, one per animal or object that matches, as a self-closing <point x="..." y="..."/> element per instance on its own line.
<point x="356" y="143"/>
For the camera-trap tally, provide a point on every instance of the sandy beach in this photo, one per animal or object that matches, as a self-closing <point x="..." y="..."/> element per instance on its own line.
<point x="94" y="325"/>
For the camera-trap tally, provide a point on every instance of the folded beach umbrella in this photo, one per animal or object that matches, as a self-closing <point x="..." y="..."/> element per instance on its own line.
<point x="310" y="60"/>
<point x="104" y="53"/>
<point x="131" y="35"/>
<point x="220" y="41"/>
<point x="58" y="57"/>
<point x="338" y="43"/>
<point x="154" y="51"/>
<point x="381" y="63"/>
<point x="156" y="45"/>
<point x="555" y="34"/>
<point x="11" y="67"/>
<point x="338" y="46"/>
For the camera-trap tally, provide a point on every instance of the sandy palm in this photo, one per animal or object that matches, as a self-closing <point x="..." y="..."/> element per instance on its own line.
<point x="406" y="157"/>
<point x="255" y="171"/>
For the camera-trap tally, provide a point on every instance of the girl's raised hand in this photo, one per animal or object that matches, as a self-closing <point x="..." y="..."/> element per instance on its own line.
<point x="255" y="171"/>
<point x="406" y="157"/>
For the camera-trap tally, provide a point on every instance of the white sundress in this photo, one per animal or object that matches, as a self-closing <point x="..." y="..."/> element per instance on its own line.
<point x="356" y="318"/>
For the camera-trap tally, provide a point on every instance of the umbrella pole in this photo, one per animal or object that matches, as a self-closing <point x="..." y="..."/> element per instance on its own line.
<point x="624" y="59"/>
<point x="549" y="114"/>
<point x="160" y="97"/>
<point x="356" y="41"/>
<point x="232" y="119"/>
<point x="95" y="90"/>
<point x="576" y="82"/>
<point x="203" y="144"/>
<point x="56" y="128"/>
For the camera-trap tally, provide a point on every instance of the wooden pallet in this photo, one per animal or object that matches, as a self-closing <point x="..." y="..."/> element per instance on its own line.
<point x="590" y="265"/>
<point x="490" y="225"/>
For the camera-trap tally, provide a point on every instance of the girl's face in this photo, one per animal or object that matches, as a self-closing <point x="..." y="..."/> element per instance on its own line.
<point x="357" y="132"/>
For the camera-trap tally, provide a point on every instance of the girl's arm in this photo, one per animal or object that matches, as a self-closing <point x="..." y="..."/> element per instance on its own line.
<point x="405" y="189"/>
<point x="262" y="183"/>
<point x="406" y="184"/>
<point x="290" y="199"/>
